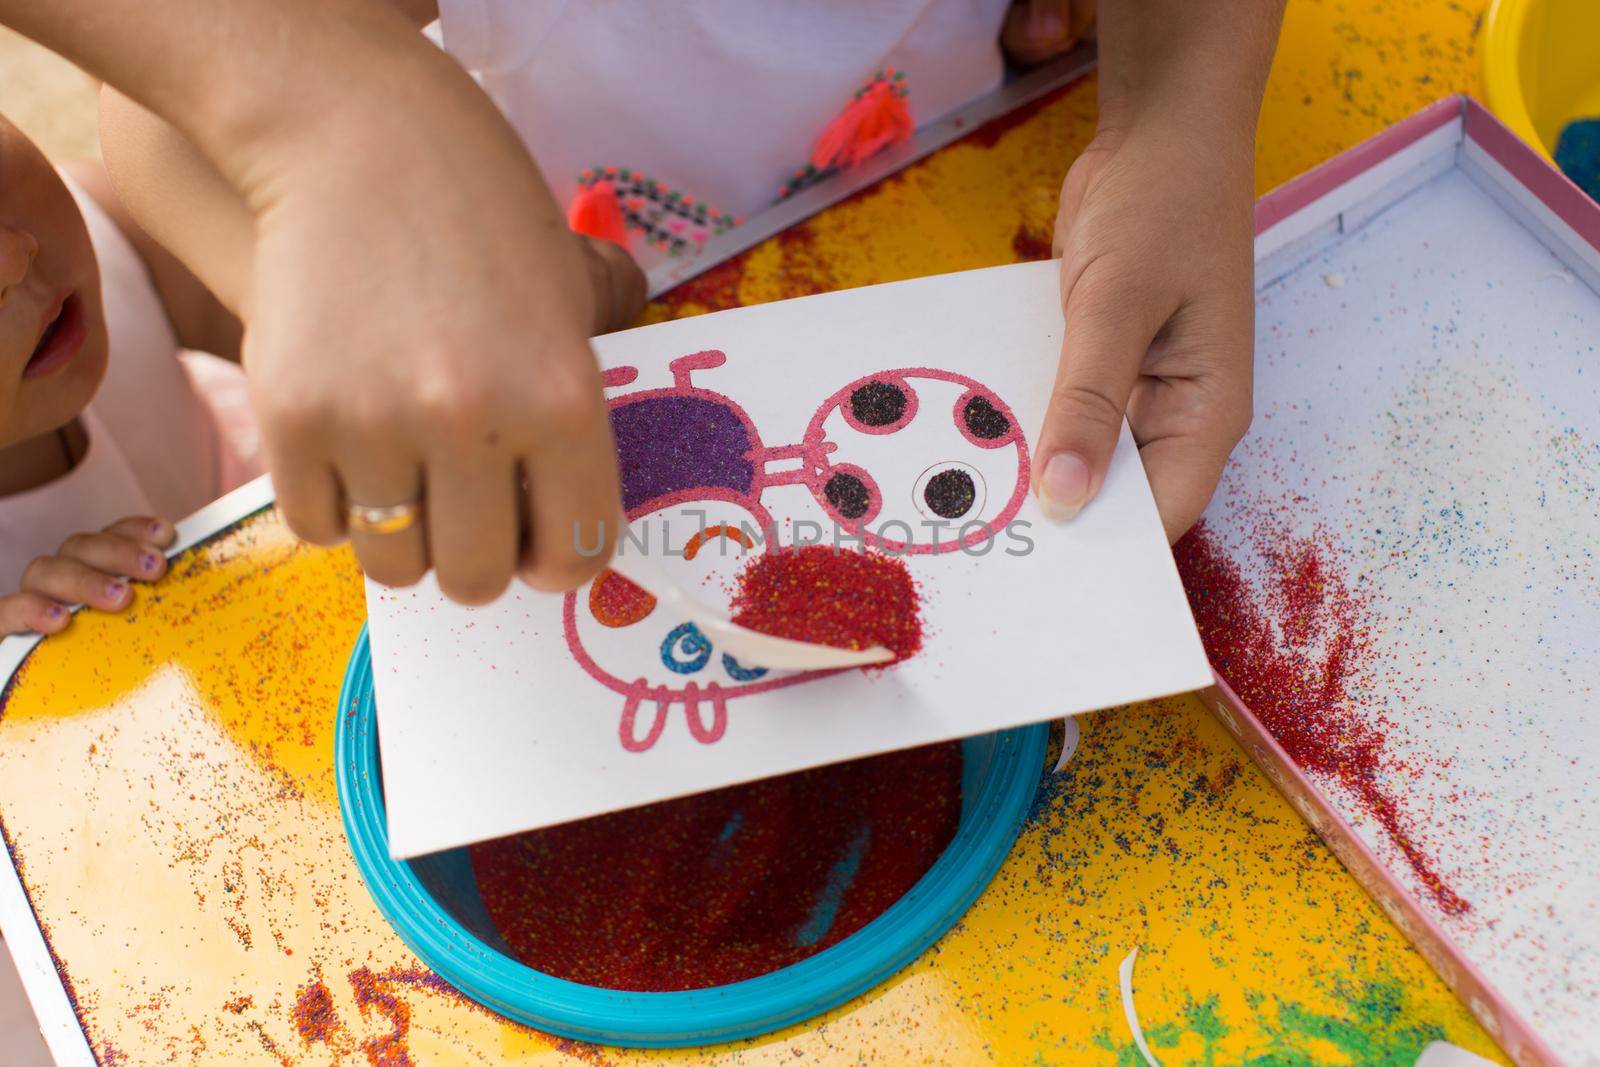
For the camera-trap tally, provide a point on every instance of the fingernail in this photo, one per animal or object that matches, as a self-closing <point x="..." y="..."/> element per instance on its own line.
<point x="1064" y="487"/>
<point x="114" y="590"/>
<point x="55" y="611"/>
<point x="157" y="528"/>
<point x="1045" y="26"/>
<point x="150" y="562"/>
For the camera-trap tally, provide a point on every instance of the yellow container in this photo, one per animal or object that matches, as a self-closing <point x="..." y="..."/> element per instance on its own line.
<point x="1541" y="65"/>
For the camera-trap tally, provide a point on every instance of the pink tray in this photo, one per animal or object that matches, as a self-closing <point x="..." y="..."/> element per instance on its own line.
<point x="1402" y="566"/>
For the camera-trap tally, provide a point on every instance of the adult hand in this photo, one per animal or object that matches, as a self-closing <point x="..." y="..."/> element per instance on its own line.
<point x="428" y="346"/>
<point x="416" y="310"/>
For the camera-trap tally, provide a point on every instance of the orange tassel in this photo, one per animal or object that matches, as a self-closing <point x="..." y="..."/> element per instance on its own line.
<point x="874" y="120"/>
<point x="596" y="213"/>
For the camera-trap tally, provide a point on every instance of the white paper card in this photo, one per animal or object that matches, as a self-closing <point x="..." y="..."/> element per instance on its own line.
<point x="535" y="711"/>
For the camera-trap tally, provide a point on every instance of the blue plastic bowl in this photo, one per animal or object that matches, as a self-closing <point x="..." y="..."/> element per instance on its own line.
<point x="434" y="905"/>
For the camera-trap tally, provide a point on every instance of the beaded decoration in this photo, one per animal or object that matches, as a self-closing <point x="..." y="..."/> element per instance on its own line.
<point x="666" y="217"/>
<point x="876" y="117"/>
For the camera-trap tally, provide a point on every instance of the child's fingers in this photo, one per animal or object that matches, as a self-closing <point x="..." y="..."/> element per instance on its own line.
<point x="1108" y="329"/>
<point x="30" y="613"/>
<point x="1187" y="428"/>
<point x="147" y="528"/>
<point x="1038" y="30"/>
<point x="72" y="581"/>
<point x="1183" y="473"/>
<point x="114" y="554"/>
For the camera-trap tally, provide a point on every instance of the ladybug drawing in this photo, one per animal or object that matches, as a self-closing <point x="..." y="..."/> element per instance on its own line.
<point x="915" y="462"/>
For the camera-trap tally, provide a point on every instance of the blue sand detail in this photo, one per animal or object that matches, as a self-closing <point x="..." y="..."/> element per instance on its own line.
<point x="1578" y="154"/>
<point x="435" y="907"/>
<point x="688" y="640"/>
<point x="739" y="672"/>
<point x="839" y="881"/>
<point x="731" y="828"/>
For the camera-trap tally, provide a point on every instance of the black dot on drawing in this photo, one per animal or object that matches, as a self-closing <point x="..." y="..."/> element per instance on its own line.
<point x="983" y="420"/>
<point x="878" y="403"/>
<point x="848" y="495"/>
<point x="950" y="494"/>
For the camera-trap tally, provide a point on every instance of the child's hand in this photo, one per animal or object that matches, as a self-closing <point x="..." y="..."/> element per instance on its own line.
<point x="1156" y="287"/>
<point x="93" y="569"/>
<point x="1036" y="31"/>
<point x="1156" y="235"/>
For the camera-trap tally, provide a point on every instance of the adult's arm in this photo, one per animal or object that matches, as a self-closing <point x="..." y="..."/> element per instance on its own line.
<point x="416" y="309"/>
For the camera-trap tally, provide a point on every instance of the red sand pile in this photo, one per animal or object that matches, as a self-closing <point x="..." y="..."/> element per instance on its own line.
<point x="727" y="885"/>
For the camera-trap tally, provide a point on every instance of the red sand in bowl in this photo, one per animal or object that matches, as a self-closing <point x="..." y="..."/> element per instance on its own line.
<point x="723" y="886"/>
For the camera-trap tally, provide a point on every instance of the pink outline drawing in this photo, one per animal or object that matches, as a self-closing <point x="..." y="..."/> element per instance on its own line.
<point x="657" y="428"/>
<point x="896" y="378"/>
<point x="824" y="470"/>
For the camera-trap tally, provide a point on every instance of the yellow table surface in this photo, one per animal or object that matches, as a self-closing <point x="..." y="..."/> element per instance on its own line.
<point x="167" y="788"/>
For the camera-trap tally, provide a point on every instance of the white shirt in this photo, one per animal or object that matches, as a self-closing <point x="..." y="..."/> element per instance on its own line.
<point x="157" y="444"/>
<point x="721" y="100"/>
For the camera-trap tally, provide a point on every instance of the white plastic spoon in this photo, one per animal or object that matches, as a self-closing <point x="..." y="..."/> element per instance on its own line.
<point x="752" y="647"/>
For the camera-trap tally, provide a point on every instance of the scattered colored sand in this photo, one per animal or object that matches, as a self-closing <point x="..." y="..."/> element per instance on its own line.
<point x="1290" y="650"/>
<point x="1578" y="154"/>
<point x="727" y="885"/>
<point x="831" y="596"/>
<point x="1030" y="244"/>
<point x="314" y="1017"/>
<point x="317" y="1021"/>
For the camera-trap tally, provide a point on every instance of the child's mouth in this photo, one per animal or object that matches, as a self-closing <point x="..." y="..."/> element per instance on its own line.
<point x="62" y="337"/>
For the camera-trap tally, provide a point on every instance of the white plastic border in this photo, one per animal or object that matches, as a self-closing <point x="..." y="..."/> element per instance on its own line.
<point x="47" y="993"/>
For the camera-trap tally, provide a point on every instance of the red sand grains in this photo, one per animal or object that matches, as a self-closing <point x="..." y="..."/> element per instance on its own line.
<point x="727" y="885"/>
<point x="314" y="1016"/>
<point x="831" y="596"/>
<point x="1291" y="651"/>
<point x="390" y="1049"/>
<point x="317" y="1020"/>
<point x="717" y="289"/>
<point x="1028" y="244"/>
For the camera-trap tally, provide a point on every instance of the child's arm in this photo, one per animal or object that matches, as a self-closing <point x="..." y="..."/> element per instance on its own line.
<point x="93" y="569"/>
<point x="199" y="319"/>
<point x="1156" y="235"/>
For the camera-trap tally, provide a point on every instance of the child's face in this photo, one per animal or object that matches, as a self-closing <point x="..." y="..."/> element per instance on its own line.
<point x="52" y="332"/>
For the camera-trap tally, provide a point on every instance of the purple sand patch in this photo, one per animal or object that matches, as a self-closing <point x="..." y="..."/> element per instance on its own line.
<point x="667" y="444"/>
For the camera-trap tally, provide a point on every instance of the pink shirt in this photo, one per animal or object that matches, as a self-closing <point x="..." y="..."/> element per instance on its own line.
<point x="169" y="430"/>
